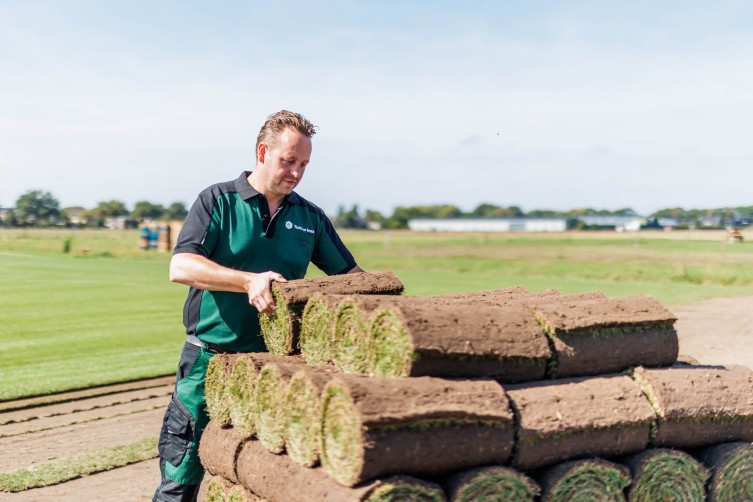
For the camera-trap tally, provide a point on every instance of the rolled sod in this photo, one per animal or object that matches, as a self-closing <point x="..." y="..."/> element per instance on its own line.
<point x="216" y="389"/>
<point x="218" y="450"/>
<point x="302" y="410"/>
<point x="592" y="480"/>
<point x="424" y="336"/>
<point x="578" y="417"/>
<point x="666" y="474"/>
<point x="281" y="328"/>
<point x="222" y="490"/>
<point x="372" y="427"/>
<point x="271" y="390"/>
<point x="241" y="389"/>
<point x="278" y="478"/>
<point x="318" y="328"/>
<point x="593" y="336"/>
<point x="699" y="406"/>
<point x="491" y="483"/>
<point x="731" y="466"/>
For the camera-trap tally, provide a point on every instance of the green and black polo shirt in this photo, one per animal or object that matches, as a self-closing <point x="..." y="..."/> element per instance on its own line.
<point x="230" y="224"/>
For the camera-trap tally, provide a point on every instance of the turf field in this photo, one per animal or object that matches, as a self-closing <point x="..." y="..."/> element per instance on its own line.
<point x="87" y="307"/>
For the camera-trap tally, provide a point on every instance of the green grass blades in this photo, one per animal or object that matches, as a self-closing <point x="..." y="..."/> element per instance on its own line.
<point x="241" y="390"/>
<point x="390" y="347"/>
<point x="216" y="490"/>
<point x="593" y="480"/>
<point x="342" y="448"/>
<point x="317" y="331"/>
<point x="271" y="389"/>
<point x="493" y="483"/>
<point x="665" y="474"/>
<point x="277" y="328"/>
<point x="406" y="489"/>
<point x="302" y="409"/>
<point x="64" y="469"/>
<point x="351" y="343"/>
<point x="216" y="388"/>
<point x="731" y="466"/>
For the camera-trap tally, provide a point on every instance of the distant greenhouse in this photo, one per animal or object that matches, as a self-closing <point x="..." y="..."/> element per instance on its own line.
<point x="488" y="224"/>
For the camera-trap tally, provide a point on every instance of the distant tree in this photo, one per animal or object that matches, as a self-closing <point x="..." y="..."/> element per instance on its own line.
<point x="486" y="210"/>
<point x="349" y="218"/>
<point x="175" y="211"/>
<point x="75" y="215"/>
<point x="108" y="209"/>
<point x="37" y="208"/>
<point x="144" y="210"/>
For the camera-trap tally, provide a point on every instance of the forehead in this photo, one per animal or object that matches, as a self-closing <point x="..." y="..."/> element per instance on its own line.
<point x="290" y="141"/>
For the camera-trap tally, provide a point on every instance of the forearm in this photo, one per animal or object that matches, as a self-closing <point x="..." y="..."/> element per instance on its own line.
<point x="202" y="273"/>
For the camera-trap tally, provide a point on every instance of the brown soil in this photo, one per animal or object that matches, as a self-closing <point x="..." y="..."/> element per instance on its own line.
<point x="573" y="418"/>
<point x="414" y="426"/>
<point x="381" y="282"/>
<point x="700" y="405"/>
<point x="219" y="450"/>
<point x="714" y="331"/>
<point x="593" y="336"/>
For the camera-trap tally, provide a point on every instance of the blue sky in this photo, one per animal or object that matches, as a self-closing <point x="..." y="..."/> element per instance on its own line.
<point x="538" y="104"/>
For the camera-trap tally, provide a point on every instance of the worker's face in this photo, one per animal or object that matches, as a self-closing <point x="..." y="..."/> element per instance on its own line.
<point x="283" y="161"/>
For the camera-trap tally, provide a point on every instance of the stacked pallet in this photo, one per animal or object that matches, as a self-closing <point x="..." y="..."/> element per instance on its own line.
<point x="499" y="395"/>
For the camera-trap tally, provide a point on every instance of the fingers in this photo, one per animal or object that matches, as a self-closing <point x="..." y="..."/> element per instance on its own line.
<point x="260" y="292"/>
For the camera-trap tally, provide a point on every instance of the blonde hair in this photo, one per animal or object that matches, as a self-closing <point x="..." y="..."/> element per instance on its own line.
<point x="278" y="122"/>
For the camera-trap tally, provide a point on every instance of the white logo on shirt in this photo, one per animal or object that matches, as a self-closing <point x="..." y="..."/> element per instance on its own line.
<point x="289" y="224"/>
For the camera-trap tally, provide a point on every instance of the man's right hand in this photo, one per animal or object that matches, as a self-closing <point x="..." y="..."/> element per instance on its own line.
<point x="259" y="290"/>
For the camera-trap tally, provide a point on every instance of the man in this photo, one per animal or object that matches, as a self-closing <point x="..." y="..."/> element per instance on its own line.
<point x="238" y="237"/>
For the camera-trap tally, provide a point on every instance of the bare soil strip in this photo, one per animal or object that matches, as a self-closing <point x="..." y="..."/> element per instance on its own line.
<point x="83" y="405"/>
<point x="103" y="413"/>
<point x="31" y="449"/>
<point x="62" y="397"/>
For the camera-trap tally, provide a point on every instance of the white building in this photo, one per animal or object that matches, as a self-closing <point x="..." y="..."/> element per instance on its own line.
<point x="488" y="225"/>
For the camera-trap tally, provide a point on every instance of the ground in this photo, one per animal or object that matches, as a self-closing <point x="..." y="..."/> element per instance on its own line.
<point x="714" y="331"/>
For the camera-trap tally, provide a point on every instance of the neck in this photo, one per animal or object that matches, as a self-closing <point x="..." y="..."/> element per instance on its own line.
<point x="273" y="200"/>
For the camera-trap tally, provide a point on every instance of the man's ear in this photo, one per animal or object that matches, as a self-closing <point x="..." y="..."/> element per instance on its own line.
<point x="261" y="152"/>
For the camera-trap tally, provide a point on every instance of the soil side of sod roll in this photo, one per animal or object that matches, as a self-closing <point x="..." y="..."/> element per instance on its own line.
<point x="278" y="478"/>
<point x="218" y="450"/>
<point x="374" y="427"/>
<point x="425" y="336"/>
<point x="271" y="390"/>
<point x="281" y="329"/>
<point x="303" y="410"/>
<point x="699" y="406"/>
<point x="584" y="480"/>
<point x="491" y="483"/>
<point x="593" y="336"/>
<point x="666" y="474"/>
<point x="731" y="466"/>
<point x="578" y="417"/>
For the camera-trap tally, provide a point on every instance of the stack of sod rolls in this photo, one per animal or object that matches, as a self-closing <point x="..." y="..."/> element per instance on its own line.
<point x="503" y="395"/>
<point x="281" y="328"/>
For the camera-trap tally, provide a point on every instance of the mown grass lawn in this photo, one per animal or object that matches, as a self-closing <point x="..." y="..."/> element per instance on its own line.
<point x="105" y="311"/>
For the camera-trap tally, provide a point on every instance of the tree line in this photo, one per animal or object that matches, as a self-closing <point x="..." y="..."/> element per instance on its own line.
<point x="688" y="218"/>
<point x="37" y="208"/>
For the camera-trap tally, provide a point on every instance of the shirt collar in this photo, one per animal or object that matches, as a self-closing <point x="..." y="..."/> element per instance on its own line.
<point x="246" y="191"/>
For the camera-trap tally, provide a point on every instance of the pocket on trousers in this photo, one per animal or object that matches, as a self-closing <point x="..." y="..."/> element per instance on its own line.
<point x="177" y="433"/>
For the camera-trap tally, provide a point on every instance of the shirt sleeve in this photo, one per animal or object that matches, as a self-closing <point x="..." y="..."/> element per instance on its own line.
<point x="330" y="254"/>
<point x="200" y="231"/>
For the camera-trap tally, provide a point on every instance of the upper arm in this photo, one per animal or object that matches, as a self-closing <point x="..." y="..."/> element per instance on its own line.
<point x="330" y="254"/>
<point x="200" y="230"/>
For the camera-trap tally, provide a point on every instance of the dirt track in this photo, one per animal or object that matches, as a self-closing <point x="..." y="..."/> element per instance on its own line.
<point x="715" y="331"/>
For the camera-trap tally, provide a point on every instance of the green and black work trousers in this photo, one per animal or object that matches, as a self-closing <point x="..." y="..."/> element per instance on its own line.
<point x="185" y="420"/>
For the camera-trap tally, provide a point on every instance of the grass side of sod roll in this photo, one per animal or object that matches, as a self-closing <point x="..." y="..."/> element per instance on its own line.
<point x="351" y="342"/>
<point x="666" y="474"/>
<point x="390" y="348"/>
<point x="317" y="331"/>
<point x="303" y="410"/>
<point x="216" y="388"/>
<point x="271" y="392"/>
<point x="405" y="489"/>
<point x="731" y="466"/>
<point x="491" y="483"/>
<point x="277" y="327"/>
<point x="587" y="480"/>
